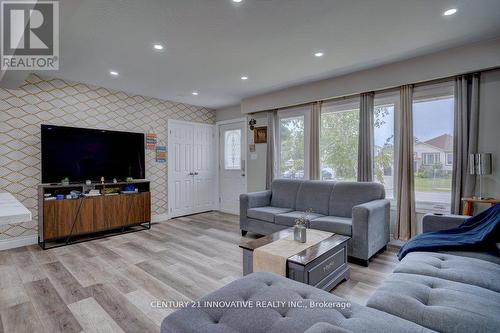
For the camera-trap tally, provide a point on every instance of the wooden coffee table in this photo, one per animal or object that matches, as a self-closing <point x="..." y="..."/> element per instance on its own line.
<point x="323" y="265"/>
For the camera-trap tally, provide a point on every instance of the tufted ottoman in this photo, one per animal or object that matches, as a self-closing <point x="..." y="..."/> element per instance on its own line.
<point x="467" y="270"/>
<point x="443" y="292"/>
<point x="265" y="287"/>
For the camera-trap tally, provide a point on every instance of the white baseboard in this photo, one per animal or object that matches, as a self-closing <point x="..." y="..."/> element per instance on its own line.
<point x="18" y="242"/>
<point x="160" y="218"/>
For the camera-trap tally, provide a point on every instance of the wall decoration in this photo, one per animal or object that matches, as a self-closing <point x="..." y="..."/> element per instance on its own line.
<point x="161" y="154"/>
<point x="151" y="139"/>
<point x="260" y="134"/>
<point x="252" y="123"/>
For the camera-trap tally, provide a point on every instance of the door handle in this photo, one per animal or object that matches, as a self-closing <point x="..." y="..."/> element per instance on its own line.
<point x="190" y="174"/>
<point x="196" y="173"/>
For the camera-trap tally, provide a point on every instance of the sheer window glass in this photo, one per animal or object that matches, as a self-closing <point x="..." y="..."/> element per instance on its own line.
<point x="385" y="107"/>
<point x="339" y="139"/>
<point x="293" y="142"/>
<point x="433" y="116"/>
<point x="232" y="149"/>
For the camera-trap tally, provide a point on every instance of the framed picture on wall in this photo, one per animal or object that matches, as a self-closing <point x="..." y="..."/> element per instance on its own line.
<point x="260" y="134"/>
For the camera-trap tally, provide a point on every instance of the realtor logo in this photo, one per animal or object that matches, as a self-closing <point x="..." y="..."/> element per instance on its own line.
<point x="30" y="35"/>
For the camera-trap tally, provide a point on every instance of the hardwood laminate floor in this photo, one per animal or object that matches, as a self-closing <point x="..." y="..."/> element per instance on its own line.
<point x="108" y="285"/>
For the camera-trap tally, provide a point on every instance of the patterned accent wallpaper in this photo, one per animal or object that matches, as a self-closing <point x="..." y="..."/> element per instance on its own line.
<point x="43" y="100"/>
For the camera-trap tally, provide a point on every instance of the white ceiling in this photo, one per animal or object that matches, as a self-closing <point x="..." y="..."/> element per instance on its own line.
<point x="210" y="44"/>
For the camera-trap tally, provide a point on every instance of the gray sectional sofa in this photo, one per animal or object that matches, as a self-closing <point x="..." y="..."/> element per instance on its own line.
<point x="355" y="209"/>
<point x="427" y="292"/>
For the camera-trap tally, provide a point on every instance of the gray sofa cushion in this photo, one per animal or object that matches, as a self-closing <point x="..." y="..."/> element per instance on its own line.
<point x="454" y="268"/>
<point x="335" y="224"/>
<point x="284" y="192"/>
<point x="270" y="287"/>
<point x="314" y="195"/>
<point x="289" y="218"/>
<point x="266" y="213"/>
<point x="439" y="304"/>
<point x="346" y="195"/>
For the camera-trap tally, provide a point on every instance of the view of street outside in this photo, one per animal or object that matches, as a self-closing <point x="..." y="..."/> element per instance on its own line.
<point x="433" y="147"/>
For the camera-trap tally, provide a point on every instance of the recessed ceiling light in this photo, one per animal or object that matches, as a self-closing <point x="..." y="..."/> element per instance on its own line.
<point x="319" y="54"/>
<point x="244" y="78"/>
<point x="450" y="12"/>
<point x="158" y="47"/>
<point x="195" y="93"/>
<point x="113" y="73"/>
<point x="237" y="1"/>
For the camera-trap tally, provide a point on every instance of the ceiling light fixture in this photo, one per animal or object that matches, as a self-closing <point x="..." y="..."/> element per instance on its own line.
<point x="158" y="47"/>
<point x="450" y="12"/>
<point x="244" y="78"/>
<point x="113" y="73"/>
<point x="237" y="1"/>
<point x="319" y="54"/>
<point x="194" y="93"/>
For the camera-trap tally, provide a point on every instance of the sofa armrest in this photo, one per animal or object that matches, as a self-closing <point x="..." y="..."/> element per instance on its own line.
<point x="370" y="228"/>
<point x="254" y="199"/>
<point x="432" y="222"/>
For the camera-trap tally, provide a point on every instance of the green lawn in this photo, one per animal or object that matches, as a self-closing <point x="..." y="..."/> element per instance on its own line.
<point x="432" y="185"/>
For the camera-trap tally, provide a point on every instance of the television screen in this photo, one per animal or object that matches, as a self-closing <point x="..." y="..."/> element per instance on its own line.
<point x="89" y="154"/>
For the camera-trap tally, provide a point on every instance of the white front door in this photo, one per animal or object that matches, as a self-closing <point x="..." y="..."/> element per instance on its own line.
<point x="191" y="168"/>
<point x="232" y="177"/>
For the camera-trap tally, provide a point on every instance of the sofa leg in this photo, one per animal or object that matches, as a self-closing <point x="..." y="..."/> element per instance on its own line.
<point x="358" y="261"/>
<point x="382" y="249"/>
<point x="243" y="233"/>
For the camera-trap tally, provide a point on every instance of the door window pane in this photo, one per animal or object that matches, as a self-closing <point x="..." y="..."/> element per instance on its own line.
<point x="385" y="106"/>
<point x="292" y="146"/>
<point x="339" y="140"/>
<point x="433" y="108"/>
<point x="232" y="149"/>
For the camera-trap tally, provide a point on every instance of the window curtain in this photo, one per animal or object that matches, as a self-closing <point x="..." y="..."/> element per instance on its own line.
<point x="365" y="138"/>
<point x="406" y="220"/>
<point x="314" y="168"/>
<point x="271" y="169"/>
<point x="465" y="137"/>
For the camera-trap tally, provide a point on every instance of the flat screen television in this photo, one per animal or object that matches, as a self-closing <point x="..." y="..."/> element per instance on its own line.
<point x="89" y="154"/>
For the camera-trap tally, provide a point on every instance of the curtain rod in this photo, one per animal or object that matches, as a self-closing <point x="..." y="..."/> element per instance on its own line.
<point x="420" y="83"/>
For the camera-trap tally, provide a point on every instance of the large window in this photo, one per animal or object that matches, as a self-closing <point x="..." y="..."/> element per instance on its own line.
<point x="433" y="109"/>
<point x="385" y="107"/>
<point x="293" y="135"/>
<point x="339" y="140"/>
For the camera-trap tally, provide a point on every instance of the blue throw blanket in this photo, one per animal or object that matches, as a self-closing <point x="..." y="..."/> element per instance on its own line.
<point x="479" y="232"/>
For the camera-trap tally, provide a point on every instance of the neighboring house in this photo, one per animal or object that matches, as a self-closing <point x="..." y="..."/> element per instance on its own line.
<point x="436" y="151"/>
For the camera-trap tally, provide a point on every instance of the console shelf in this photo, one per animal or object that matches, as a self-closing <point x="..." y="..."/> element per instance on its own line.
<point x="67" y="221"/>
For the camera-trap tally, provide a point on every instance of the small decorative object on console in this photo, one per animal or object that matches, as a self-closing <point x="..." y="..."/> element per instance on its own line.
<point x="301" y="225"/>
<point x="65" y="181"/>
<point x="88" y="182"/>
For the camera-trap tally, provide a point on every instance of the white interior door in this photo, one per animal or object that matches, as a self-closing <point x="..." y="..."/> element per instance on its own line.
<point x="191" y="168"/>
<point x="204" y="162"/>
<point x="232" y="177"/>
